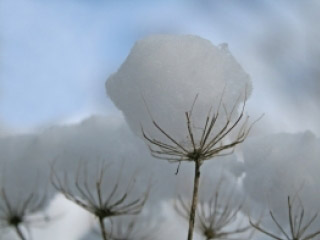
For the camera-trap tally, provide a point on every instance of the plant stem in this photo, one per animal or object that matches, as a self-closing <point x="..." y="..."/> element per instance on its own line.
<point x="103" y="229"/>
<point x="194" y="198"/>
<point x="19" y="232"/>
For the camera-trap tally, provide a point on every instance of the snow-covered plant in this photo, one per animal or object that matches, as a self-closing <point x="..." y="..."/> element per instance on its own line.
<point x="198" y="148"/>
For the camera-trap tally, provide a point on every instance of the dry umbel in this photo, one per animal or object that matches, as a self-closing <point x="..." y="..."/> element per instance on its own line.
<point x="210" y="144"/>
<point x="122" y="229"/>
<point x="215" y="216"/>
<point x="297" y="224"/>
<point x="102" y="201"/>
<point x="21" y="213"/>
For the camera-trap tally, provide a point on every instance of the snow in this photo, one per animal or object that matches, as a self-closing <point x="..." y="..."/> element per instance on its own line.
<point x="164" y="73"/>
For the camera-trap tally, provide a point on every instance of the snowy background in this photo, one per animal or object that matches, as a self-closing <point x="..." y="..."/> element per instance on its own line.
<point x="55" y="57"/>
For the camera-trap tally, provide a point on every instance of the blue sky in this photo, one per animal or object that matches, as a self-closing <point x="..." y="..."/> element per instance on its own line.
<point x="56" y="55"/>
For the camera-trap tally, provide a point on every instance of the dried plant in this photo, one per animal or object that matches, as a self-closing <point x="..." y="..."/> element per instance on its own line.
<point x="21" y="212"/>
<point x="132" y="230"/>
<point x="215" y="216"/>
<point x="210" y="144"/>
<point x="298" y="228"/>
<point x="104" y="202"/>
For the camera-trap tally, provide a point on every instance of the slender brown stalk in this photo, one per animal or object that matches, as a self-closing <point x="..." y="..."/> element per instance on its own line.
<point x="194" y="199"/>
<point x="103" y="229"/>
<point x="19" y="232"/>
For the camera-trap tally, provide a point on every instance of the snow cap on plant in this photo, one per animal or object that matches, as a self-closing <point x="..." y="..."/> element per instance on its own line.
<point x="164" y="73"/>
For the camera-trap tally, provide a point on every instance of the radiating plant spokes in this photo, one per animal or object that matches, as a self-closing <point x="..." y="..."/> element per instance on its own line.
<point x="214" y="217"/>
<point x="20" y="213"/>
<point x="102" y="201"/>
<point x="298" y="225"/>
<point x="210" y="144"/>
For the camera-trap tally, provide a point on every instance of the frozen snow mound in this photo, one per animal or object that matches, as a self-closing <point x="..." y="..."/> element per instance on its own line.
<point x="164" y="73"/>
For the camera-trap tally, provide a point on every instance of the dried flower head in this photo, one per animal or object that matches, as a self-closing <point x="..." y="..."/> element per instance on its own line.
<point x="210" y="143"/>
<point x="132" y="230"/>
<point x="298" y="227"/>
<point x="102" y="201"/>
<point x="214" y="217"/>
<point x="19" y="213"/>
<point x="197" y="149"/>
